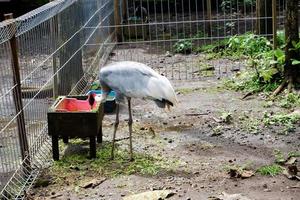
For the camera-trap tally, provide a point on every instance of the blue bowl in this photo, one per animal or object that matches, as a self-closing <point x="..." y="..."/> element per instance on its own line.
<point x="110" y="104"/>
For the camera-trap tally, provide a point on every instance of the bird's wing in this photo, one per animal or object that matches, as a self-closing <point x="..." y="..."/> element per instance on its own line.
<point x="137" y="80"/>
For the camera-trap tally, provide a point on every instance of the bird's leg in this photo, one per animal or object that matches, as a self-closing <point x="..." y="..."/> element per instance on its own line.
<point x="130" y="128"/>
<point x="115" y="131"/>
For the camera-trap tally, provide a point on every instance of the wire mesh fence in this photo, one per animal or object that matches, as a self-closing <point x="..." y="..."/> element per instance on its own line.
<point x="157" y="31"/>
<point x="62" y="44"/>
<point x="53" y="59"/>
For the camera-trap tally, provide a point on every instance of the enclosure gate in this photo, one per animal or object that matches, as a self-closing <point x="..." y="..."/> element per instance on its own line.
<point x="57" y="50"/>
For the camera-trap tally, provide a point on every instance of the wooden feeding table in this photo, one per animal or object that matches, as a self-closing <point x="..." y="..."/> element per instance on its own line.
<point x="72" y="116"/>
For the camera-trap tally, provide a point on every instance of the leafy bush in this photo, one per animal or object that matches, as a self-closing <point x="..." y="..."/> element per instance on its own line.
<point x="232" y="5"/>
<point x="248" y="45"/>
<point x="183" y="46"/>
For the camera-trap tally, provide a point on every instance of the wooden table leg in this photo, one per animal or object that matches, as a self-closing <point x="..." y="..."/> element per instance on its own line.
<point x="99" y="136"/>
<point x="92" y="146"/>
<point x="55" y="147"/>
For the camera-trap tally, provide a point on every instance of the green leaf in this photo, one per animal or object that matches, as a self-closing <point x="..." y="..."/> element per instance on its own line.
<point x="295" y="62"/>
<point x="278" y="53"/>
<point x="273" y="62"/>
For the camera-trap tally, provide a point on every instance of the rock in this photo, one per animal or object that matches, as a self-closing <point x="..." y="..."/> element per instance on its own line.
<point x="291" y="172"/>
<point x="151" y="195"/>
<point x="168" y="54"/>
<point x="267" y="190"/>
<point x="247" y="174"/>
<point x="225" y="196"/>
<point x="93" y="183"/>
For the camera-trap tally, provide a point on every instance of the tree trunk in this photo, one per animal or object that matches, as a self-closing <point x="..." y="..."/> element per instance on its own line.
<point x="291" y="72"/>
<point x="264" y="10"/>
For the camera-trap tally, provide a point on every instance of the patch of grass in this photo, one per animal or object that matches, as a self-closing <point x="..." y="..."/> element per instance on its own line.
<point x="290" y="100"/>
<point x="294" y="154"/>
<point x="250" y="125"/>
<point x="270" y="170"/>
<point x="80" y="164"/>
<point x="286" y="120"/>
<point x="226" y="117"/>
<point x="248" y="81"/>
<point x="279" y="158"/>
<point x="185" y="90"/>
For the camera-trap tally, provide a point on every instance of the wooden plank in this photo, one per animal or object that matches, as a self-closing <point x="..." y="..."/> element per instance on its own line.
<point x="17" y="96"/>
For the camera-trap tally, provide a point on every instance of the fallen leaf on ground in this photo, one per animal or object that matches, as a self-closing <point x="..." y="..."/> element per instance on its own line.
<point x="151" y="195"/>
<point x="291" y="161"/>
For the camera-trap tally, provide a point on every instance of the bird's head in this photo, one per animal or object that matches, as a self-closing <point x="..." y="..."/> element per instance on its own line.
<point x="101" y="98"/>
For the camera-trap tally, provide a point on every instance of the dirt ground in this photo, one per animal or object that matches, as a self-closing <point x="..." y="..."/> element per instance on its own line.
<point x="201" y="145"/>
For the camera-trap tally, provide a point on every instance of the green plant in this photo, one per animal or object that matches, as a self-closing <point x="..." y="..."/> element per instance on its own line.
<point x="270" y="170"/>
<point x="279" y="158"/>
<point x="286" y="120"/>
<point x="281" y="39"/>
<point x="294" y="154"/>
<point x="248" y="44"/>
<point x="183" y="46"/>
<point x="226" y="117"/>
<point x="290" y="100"/>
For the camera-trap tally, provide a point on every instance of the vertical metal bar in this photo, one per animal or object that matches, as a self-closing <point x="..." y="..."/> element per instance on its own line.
<point x="53" y="24"/>
<point x="117" y="20"/>
<point x="124" y="9"/>
<point x="17" y="91"/>
<point x="209" y="17"/>
<point x="274" y="21"/>
<point x="257" y="17"/>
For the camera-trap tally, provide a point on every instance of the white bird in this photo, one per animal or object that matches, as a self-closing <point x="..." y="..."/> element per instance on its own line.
<point x="134" y="80"/>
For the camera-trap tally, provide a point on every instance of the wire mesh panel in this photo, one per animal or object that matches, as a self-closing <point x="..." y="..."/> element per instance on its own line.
<point x="54" y="58"/>
<point x="168" y="34"/>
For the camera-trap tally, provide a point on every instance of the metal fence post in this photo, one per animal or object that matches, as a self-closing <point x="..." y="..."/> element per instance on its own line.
<point x="274" y="21"/>
<point x="17" y="96"/>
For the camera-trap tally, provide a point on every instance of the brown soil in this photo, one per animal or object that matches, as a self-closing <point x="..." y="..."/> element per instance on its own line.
<point x="192" y="134"/>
